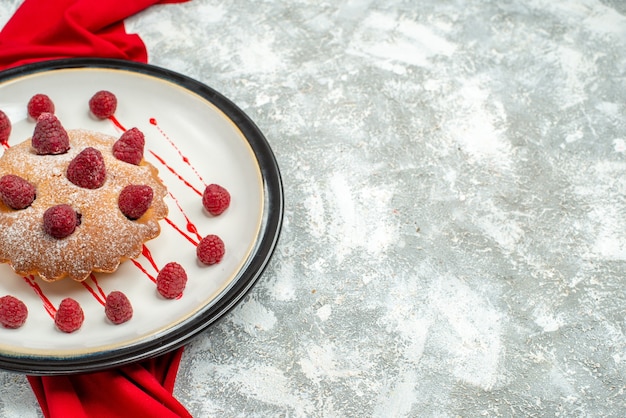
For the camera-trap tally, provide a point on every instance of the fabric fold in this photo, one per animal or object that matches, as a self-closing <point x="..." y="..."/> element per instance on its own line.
<point x="141" y="389"/>
<point x="54" y="29"/>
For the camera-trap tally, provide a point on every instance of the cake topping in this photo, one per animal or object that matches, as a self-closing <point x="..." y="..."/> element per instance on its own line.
<point x="5" y="128"/>
<point x="135" y="200"/>
<point x="103" y="104"/>
<point x="69" y="317"/>
<point x="60" y="221"/>
<point x="38" y="104"/>
<point x="87" y="169"/>
<point x="118" y="308"/>
<point x="105" y="237"/>
<point x="171" y="280"/>
<point x="215" y="199"/>
<point x="13" y="312"/>
<point x="49" y="136"/>
<point x="210" y="250"/>
<point x="129" y="147"/>
<point x="16" y="192"/>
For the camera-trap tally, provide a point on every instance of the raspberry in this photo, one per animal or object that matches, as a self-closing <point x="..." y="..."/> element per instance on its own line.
<point x="87" y="169"/>
<point x="49" y="136"/>
<point x="38" y="104"/>
<point x="135" y="200"/>
<point x="103" y="104"/>
<point x="60" y="221"/>
<point x="5" y="128"/>
<point x="118" y="308"/>
<point x="171" y="280"/>
<point x="215" y="199"/>
<point x="129" y="147"/>
<point x="210" y="250"/>
<point x="16" y="192"/>
<point x="13" y="312"/>
<point x="69" y="316"/>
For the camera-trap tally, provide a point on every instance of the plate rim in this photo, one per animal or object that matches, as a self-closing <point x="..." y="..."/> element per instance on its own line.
<point x="254" y="266"/>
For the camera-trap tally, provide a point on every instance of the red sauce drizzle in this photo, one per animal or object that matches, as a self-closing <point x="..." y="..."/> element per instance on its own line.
<point x="190" y="226"/>
<point x="162" y="161"/>
<point x="146" y="253"/>
<point x="140" y="267"/>
<point x="181" y="232"/>
<point x="100" y="297"/>
<point x="117" y="123"/>
<point x="46" y="302"/>
<point x="153" y="121"/>
<point x="94" y="279"/>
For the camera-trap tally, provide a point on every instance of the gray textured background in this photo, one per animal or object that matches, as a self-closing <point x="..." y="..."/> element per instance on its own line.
<point x="454" y="240"/>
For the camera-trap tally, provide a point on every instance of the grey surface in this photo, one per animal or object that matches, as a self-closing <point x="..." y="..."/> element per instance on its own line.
<point x="454" y="241"/>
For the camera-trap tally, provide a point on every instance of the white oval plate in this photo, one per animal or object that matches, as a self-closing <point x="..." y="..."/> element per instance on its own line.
<point x="194" y="137"/>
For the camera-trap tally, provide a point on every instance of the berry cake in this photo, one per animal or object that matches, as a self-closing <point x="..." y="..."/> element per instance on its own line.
<point x="69" y="219"/>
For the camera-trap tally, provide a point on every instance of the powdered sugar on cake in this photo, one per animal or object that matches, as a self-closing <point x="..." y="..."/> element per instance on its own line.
<point x="104" y="238"/>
